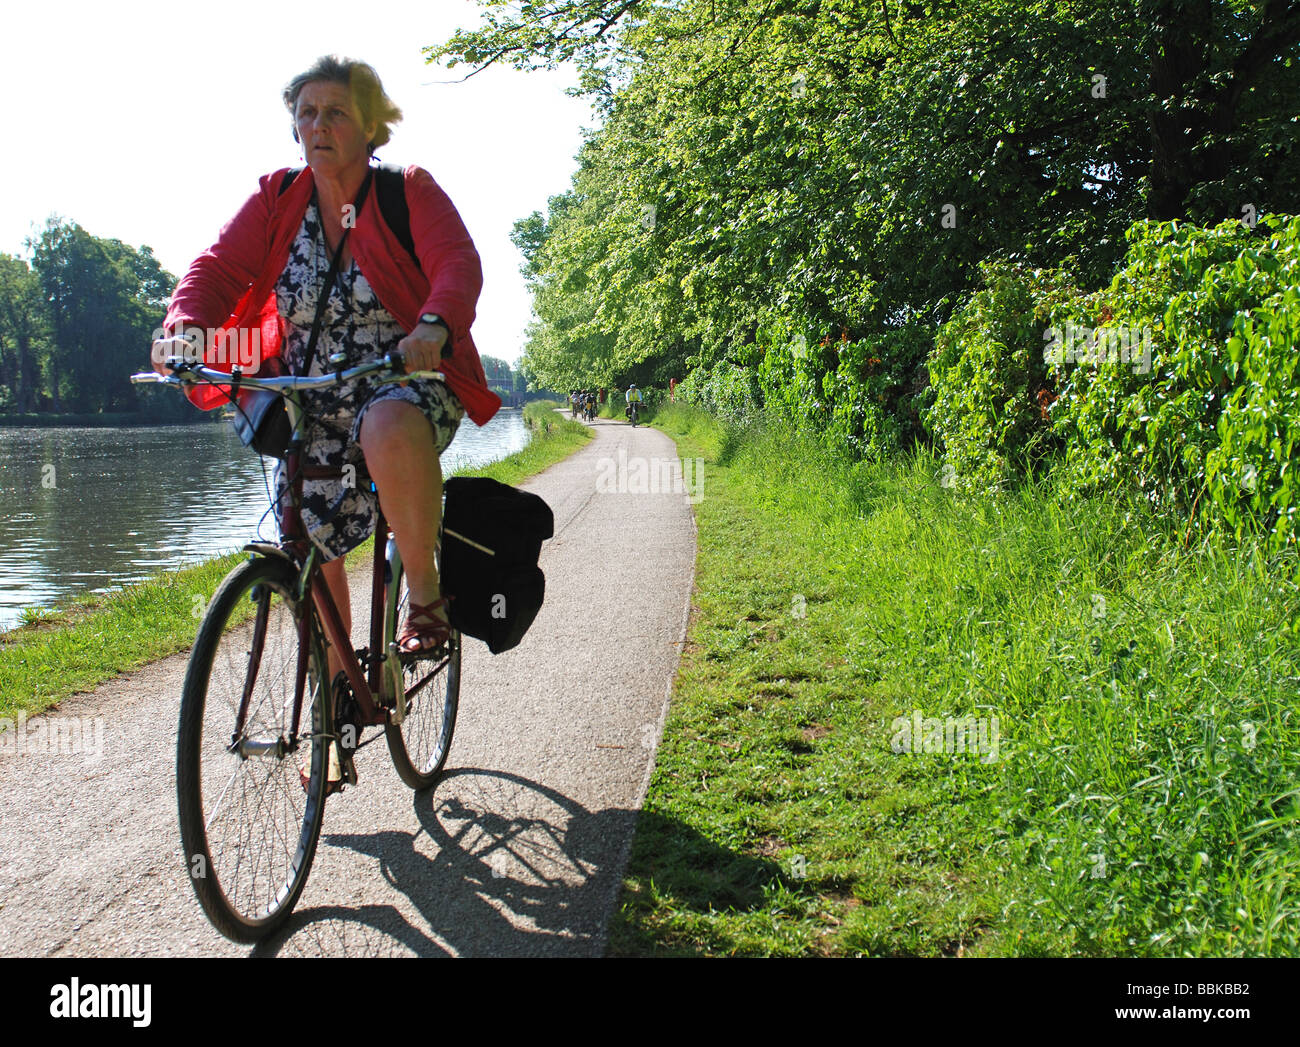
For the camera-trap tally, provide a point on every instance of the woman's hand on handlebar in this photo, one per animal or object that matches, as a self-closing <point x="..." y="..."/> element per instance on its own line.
<point x="422" y="349"/>
<point x="163" y="349"/>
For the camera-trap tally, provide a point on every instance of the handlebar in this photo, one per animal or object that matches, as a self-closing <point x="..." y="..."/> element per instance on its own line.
<point x="186" y="373"/>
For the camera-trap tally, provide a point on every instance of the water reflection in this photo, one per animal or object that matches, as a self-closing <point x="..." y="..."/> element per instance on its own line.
<point x="89" y="509"/>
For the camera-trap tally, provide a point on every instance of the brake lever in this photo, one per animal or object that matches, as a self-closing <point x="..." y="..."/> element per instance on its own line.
<point x="396" y="363"/>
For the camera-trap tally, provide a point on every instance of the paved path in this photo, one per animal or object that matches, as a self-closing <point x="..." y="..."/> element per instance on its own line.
<point x="519" y="850"/>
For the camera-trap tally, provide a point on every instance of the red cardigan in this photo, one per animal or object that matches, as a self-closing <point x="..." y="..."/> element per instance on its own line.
<point x="231" y="285"/>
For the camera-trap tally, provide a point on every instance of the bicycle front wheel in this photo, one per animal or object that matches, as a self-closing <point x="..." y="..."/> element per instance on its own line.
<point x="419" y="743"/>
<point x="251" y="789"/>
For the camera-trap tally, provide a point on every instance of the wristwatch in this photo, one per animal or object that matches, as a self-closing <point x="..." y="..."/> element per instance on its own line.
<point x="434" y="318"/>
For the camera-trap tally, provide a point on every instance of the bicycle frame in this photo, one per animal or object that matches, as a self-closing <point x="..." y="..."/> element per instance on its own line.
<point x="296" y="546"/>
<point x="294" y="540"/>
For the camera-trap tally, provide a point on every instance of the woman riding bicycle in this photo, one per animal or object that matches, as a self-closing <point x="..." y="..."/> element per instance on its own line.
<point x="266" y="272"/>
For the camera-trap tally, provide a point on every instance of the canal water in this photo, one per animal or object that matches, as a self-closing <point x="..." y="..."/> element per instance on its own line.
<point x="86" y="510"/>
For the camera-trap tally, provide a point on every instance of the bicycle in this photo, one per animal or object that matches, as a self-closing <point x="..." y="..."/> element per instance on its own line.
<point x="633" y="410"/>
<point x="246" y="754"/>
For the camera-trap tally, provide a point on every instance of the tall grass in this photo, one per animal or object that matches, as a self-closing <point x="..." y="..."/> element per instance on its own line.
<point x="1143" y="798"/>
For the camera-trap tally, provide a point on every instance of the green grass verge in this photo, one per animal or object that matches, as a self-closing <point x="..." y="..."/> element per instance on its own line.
<point x="1142" y="795"/>
<point x="96" y="637"/>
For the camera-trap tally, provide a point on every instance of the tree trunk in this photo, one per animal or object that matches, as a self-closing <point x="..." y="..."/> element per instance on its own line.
<point x="25" y="376"/>
<point x="1177" y="58"/>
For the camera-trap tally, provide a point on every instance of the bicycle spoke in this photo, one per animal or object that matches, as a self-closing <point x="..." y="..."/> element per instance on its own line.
<point x="419" y="744"/>
<point x="244" y="803"/>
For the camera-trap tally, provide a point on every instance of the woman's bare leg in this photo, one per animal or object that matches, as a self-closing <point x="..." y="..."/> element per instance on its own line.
<point x="403" y="461"/>
<point x="336" y="579"/>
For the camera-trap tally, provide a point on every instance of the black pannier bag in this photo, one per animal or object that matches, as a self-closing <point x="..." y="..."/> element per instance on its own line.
<point x="262" y="422"/>
<point x="492" y="537"/>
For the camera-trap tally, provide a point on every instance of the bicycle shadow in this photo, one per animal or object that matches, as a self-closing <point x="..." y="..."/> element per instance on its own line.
<point x="510" y="867"/>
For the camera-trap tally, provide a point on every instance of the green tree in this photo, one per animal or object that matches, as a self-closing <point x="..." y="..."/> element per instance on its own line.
<point x="1224" y="91"/>
<point x="24" y="335"/>
<point x="831" y="173"/>
<point x="104" y="298"/>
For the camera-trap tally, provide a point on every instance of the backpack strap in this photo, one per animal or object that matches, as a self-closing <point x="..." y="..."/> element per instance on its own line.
<point x="390" y="183"/>
<point x="289" y="176"/>
<point x="390" y="186"/>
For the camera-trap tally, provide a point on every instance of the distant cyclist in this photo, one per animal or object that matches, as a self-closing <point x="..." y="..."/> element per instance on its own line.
<point x="633" y="396"/>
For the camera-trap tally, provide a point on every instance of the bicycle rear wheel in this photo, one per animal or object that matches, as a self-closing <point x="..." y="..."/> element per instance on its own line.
<point x="419" y="743"/>
<point x="252" y="798"/>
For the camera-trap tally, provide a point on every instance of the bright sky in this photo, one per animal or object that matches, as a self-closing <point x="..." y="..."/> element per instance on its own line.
<point x="151" y="122"/>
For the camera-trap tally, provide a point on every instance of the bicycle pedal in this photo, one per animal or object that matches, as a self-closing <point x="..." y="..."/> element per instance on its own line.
<point x="337" y="773"/>
<point x="349" y="770"/>
<point x="342" y="771"/>
<point x="429" y="654"/>
<point x="425" y="653"/>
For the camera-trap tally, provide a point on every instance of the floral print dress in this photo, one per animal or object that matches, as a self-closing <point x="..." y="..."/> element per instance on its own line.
<point x="339" y="515"/>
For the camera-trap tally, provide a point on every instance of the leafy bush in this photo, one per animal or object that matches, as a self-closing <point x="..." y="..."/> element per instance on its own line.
<point x="726" y="390"/>
<point x="989" y="379"/>
<point x="874" y="392"/>
<point x="861" y="394"/>
<point x="1200" y="423"/>
<point x="653" y="397"/>
<point x="791" y="372"/>
<point x="1251" y="473"/>
<point x="1177" y="381"/>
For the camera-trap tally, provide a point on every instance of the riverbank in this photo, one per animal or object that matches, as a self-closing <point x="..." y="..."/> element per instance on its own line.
<point x="99" y="636"/>
<point x="961" y="725"/>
